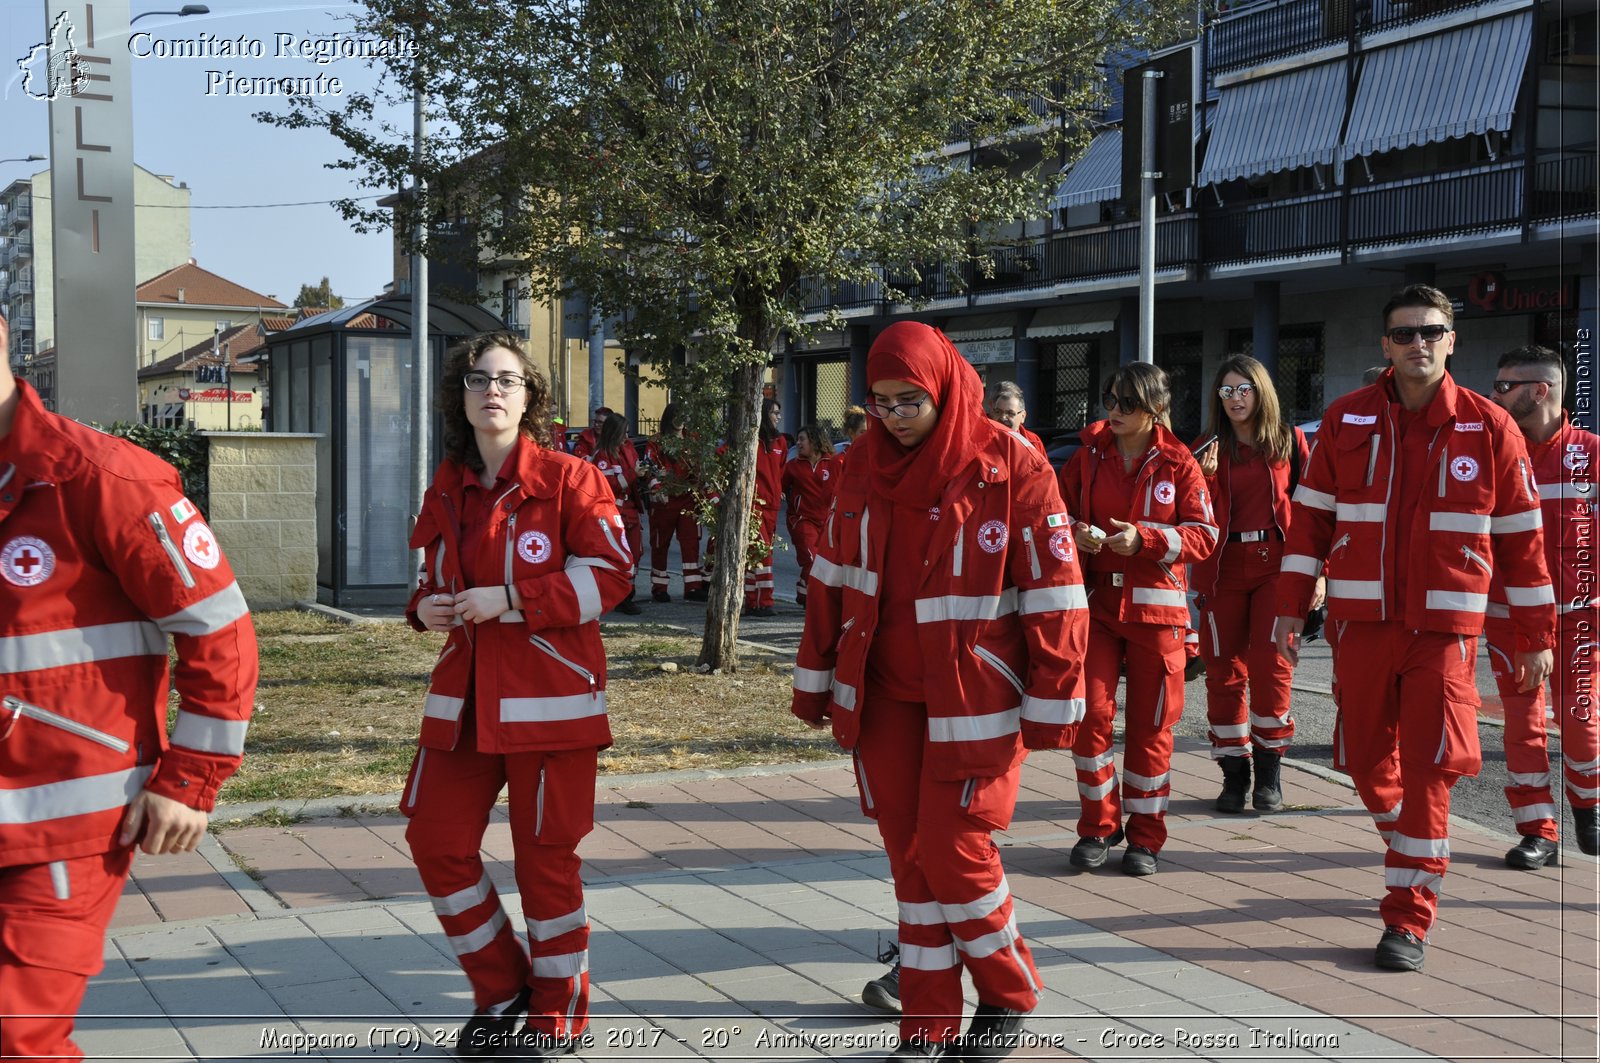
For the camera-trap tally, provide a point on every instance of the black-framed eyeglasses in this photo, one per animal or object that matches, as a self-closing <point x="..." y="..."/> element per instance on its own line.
<point x="898" y="409"/>
<point x="507" y="382"/>
<point x="1506" y="387"/>
<point x="1404" y="334"/>
<point x="1124" y="403"/>
<point x="1244" y="391"/>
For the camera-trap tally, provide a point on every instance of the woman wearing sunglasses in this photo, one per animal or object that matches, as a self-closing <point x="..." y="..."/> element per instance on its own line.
<point x="522" y="552"/>
<point x="1143" y="514"/>
<point x="1251" y="465"/>
<point x="944" y="636"/>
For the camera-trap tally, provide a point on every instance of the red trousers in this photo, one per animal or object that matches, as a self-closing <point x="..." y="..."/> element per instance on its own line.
<point x="448" y="798"/>
<point x="804" y="535"/>
<point x="1236" y="641"/>
<point x="1573" y="693"/>
<point x="1155" y="657"/>
<point x="674" y="517"/>
<point x="1407" y="729"/>
<point x="955" y="905"/>
<point x="758" y="583"/>
<point x="53" y="920"/>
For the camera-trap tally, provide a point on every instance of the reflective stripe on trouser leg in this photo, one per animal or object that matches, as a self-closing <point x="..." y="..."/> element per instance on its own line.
<point x="1577" y="708"/>
<point x="1099" y="803"/>
<point x="1154" y="703"/>
<point x="1527" y="749"/>
<point x="1222" y="638"/>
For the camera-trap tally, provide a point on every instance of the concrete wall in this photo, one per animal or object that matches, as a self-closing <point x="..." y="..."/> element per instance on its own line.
<point x="263" y="509"/>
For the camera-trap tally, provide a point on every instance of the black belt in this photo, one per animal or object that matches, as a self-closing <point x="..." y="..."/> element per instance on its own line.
<point x="1255" y="536"/>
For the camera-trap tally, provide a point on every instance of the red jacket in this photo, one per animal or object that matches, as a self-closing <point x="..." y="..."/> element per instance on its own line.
<point x="808" y="489"/>
<point x="622" y="474"/>
<point x="1002" y="619"/>
<point x="1477" y="510"/>
<point x="1203" y="573"/>
<point x="1173" y="512"/>
<point x="584" y="446"/>
<point x="538" y="674"/>
<point x="101" y="560"/>
<point x="1567" y="468"/>
<point x="770" y="460"/>
<point x="666" y="470"/>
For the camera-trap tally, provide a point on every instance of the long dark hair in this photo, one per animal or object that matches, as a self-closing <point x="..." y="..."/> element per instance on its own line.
<point x="1147" y="383"/>
<point x="670" y="422"/>
<point x="613" y="433"/>
<point x="767" y="432"/>
<point x="460" y="444"/>
<point x="1268" y="431"/>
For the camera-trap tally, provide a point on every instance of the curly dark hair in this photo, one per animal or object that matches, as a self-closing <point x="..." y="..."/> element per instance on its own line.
<point x="460" y="444"/>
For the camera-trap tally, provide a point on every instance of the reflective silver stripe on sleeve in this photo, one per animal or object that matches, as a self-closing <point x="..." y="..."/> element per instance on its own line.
<point x="1174" y="545"/>
<point x="1052" y="710"/>
<point x="208" y="614"/>
<point x="1420" y="848"/>
<point x="465" y="944"/>
<point x="966" y="607"/>
<point x="1314" y="499"/>
<point x="81" y="645"/>
<point x="1050" y="599"/>
<point x="974" y="728"/>
<point x="1457" y="601"/>
<point x="461" y="900"/>
<point x="546" y="710"/>
<point x="72" y="797"/>
<point x="981" y="908"/>
<point x="813" y="680"/>
<point x="207" y="734"/>
<point x="1151" y="596"/>
<point x="550" y="929"/>
<point x="567" y="965"/>
<point x="829" y="574"/>
<point x="1527" y="520"/>
<point x="1209" y="529"/>
<point x="844" y="695"/>
<point x="990" y="943"/>
<point x="1497" y="609"/>
<point x="1526" y="597"/>
<point x="1301" y="565"/>
<point x="1362" y="512"/>
<point x="442" y="707"/>
<point x="1146" y="782"/>
<point x="920" y="913"/>
<point x="620" y="545"/>
<point x="587" y="591"/>
<point x="929" y="957"/>
<point x="1471" y="523"/>
<point x="1361" y="590"/>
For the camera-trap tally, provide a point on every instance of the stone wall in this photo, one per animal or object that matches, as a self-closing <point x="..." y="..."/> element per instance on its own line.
<point x="263" y="509"/>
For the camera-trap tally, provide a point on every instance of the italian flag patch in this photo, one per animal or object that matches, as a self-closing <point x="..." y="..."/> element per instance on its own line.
<point x="182" y="510"/>
<point x="1056" y="520"/>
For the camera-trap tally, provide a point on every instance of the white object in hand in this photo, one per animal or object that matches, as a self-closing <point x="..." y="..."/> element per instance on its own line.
<point x="1096" y="534"/>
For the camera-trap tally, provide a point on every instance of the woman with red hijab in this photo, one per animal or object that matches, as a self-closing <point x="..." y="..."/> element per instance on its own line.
<point x="944" y="636"/>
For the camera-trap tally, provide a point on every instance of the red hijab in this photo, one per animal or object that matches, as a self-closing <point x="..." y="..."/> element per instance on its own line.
<point x="920" y="354"/>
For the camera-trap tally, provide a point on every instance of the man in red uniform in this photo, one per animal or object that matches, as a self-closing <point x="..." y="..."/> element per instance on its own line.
<point x="101" y="559"/>
<point x="1416" y="492"/>
<point x="1007" y="406"/>
<point x="1528" y="386"/>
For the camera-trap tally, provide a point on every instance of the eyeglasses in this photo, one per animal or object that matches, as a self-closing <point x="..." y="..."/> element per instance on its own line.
<point x="1506" y="387"/>
<point x="1404" y="334"/>
<point x="1244" y="391"/>
<point x="1123" y="403"/>
<point x="507" y="382"/>
<point x="899" y="409"/>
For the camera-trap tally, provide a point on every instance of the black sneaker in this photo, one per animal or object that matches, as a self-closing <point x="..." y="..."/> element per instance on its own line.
<point x="1586" y="829"/>
<point x="1090" y="853"/>
<point x="535" y="1045"/>
<point x="1139" y="861"/>
<point x="1532" y="853"/>
<point x="660" y="596"/>
<point x="1195" y="669"/>
<point x="699" y="594"/>
<point x="1399" y="950"/>
<point x="485" y="1036"/>
<point x="883" y="992"/>
<point x="628" y="607"/>
<point x="993" y="1034"/>
<point x="917" y="1048"/>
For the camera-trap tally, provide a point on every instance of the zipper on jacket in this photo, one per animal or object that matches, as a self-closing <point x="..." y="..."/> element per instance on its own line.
<point x="171" y="548"/>
<point x="1372" y="457"/>
<point x="1343" y="541"/>
<point x="1444" y="743"/>
<point x="961" y="545"/>
<point x="998" y="665"/>
<point x="538" y="805"/>
<point x="1388" y="497"/>
<point x="544" y="645"/>
<point x="1527" y="481"/>
<point x="1444" y="469"/>
<point x="831" y="515"/>
<point x="861" y="776"/>
<point x="1171" y="575"/>
<point x="1468" y="553"/>
<point x="511" y="544"/>
<point x="843" y="631"/>
<point x="1033" y="552"/>
<point x="966" y="792"/>
<point x="1149" y="489"/>
<point x="71" y="726"/>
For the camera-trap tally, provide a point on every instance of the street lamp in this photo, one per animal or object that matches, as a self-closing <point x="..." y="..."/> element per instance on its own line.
<point x="188" y="9"/>
<point x="28" y="158"/>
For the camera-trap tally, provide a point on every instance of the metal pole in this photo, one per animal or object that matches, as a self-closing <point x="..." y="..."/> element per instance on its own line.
<point x="421" y="363"/>
<point x="1147" y="218"/>
<point x="597" y="362"/>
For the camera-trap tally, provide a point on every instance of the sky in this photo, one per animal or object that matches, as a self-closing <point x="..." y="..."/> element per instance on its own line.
<point x="236" y="168"/>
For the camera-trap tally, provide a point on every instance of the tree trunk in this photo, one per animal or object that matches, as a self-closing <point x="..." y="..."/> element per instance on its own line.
<point x="719" y="644"/>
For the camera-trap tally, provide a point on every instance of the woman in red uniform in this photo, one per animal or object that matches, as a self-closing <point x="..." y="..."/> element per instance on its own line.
<point x="758" y="584"/>
<point x="613" y="454"/>
<point x="669" y="485"/>
<point x="1250" y="468"/>
<point x="944" y="635"/>
<point x="522" y="549"/>
<point x="808" y="483"/>
<point x="1142" y="515"/>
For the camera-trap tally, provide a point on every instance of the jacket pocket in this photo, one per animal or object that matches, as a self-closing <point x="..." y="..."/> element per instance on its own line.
<point x="171" y="548"/>
<point x="1475" y="558"/>
<point x="52" y="944"/>
<point x="989" y="800"/>
<point x="26" y="711"/>
<point x="999" y="666"/>
<point x="544" y="645"/>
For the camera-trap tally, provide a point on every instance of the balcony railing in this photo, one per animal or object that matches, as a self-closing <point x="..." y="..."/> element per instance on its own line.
<point x="23" y="321"/>
<point x="1449" y="203"/>
<point x="1565" y="187"/>
<point x="1306" y="224"/>
<point x="21" y="213"/>
<point x="20" y="286"/>
<point x="1244" y="36"/>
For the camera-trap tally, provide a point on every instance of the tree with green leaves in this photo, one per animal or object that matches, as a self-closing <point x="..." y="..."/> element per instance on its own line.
<point x="701" y="169"/>
<point x="318" y="296"/>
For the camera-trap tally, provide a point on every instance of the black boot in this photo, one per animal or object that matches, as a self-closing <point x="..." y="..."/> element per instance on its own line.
<point x="1268" y="794"/>
<point x="1586" y="829"/>
<point x="628" y="607"/>
<point x="1235" y="784"/>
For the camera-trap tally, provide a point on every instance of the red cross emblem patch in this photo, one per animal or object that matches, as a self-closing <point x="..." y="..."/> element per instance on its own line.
<point x="993" y="536"/>
<point x="1464" y="469"/>
<point x="200" y="546"/>
<point x="26" y="561"/>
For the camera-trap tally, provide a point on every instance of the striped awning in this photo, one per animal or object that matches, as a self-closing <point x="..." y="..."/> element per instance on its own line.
<point x="1096" y="177"/>
<point x="1277" y="123"/>
<point x="1456" y="84"/>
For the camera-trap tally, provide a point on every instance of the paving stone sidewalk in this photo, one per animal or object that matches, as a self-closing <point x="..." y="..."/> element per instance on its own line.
<point x="736" y="917"/>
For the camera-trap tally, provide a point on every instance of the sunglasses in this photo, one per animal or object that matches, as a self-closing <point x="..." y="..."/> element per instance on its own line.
<point x="1506" y="387"/>
<point x="1244" y="391"/>
<point x="1404" y="334"/>
<point x="1120" y="403"/>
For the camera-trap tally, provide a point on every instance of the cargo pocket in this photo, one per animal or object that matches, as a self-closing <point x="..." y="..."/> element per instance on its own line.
<point x="563" y="796"/>
<point x="413" y="787"/>
<point x="52" y="944"/>
<point x="1459" y="752"/>
<point x="990" y="800"/>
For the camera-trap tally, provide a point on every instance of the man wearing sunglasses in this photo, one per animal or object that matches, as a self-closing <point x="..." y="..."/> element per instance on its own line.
<point x="1528" y="386"/>
<point x="102" y="558"/>
<point x="1417" y="492"/>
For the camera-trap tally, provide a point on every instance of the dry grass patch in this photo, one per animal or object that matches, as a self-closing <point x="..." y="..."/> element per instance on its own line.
<point x="338" y="708"/>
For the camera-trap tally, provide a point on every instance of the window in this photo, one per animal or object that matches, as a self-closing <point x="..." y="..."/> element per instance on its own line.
<point x="1299" y="372"/>
<point x="1180" y="354"/>
<point x="1069" y="372"/>
<point x="510" y="304"/>
<point x="156" y="327"/>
